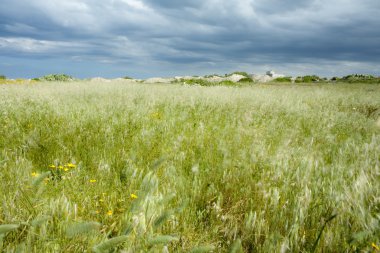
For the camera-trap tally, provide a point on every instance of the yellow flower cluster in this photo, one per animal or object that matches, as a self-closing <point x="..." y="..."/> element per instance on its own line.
<point x="65" y="167"/>
<point x="57" y="171"/>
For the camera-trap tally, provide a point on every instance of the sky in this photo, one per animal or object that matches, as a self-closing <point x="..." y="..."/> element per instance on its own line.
<point x="149" y="38"/>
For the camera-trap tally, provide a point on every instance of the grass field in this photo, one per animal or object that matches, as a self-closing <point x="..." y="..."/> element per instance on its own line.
<point x="123" y="167"/>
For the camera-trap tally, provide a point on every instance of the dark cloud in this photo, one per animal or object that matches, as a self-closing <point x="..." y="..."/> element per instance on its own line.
<point x="167" y="37"/>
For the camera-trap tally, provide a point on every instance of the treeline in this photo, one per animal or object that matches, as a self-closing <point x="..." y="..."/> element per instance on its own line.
<point x="354" y="78"/>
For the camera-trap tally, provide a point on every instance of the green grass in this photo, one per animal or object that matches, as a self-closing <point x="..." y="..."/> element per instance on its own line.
<point x="265" y="168"/>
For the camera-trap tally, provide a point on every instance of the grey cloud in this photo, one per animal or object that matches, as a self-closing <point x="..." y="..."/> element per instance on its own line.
<point x="174" y="4"/>
<point x="280" y="7"/>
<point x="196" y="35"/>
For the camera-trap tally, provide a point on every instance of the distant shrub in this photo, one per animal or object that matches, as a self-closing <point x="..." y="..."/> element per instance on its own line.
<point x="228" y="83"/>
<point x="238" y="73"/>
<point x="2" y="77"/>
<point x="286" y="79"/>
<point x="55" y="77"/>
<point x="127" y="77"/>
<point x="308" y="79"/>
<point x="201" y="82"/>
<point x="359" y="78"/>
<point x="311" y="79"/>
<point x="246" y="80"/>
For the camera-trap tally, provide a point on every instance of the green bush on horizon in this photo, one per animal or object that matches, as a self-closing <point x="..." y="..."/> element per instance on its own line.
<point x="285" y="79"/>
<point x="242" y="73"/>
<point x="359" y="78"/>
<point x="55" y="77"/>
<point x="201" y="82"/>
<point x="246" y="80"/>
<point x="3" y="77"/>
<point x="308" y="79"/>
<point x="228" y="83"/>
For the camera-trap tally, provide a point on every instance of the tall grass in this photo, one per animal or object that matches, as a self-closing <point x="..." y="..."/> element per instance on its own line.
<point x="102" y="167"/>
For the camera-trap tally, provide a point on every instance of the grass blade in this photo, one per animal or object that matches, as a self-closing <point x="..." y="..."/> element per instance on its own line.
<point x="236" y="247"/>
<point x="321" y="231"/>
<point x="8" y="228"/>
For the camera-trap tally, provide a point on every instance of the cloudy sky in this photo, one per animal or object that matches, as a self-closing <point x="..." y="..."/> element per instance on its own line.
<point x="145" y="38"/>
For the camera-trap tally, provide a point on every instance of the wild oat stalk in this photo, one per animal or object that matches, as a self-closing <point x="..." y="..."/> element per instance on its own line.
<point x="162" y="239"/>
<point x="110" y="244"/>
<point x="82" y="228"/>
<point x="203" y="249"/>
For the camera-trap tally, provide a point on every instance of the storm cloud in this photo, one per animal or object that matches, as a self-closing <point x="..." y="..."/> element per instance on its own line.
<point x="143" y="38"/>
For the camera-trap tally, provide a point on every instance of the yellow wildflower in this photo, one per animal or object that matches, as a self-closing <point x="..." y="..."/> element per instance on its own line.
<point x="92" y="180"/>
<point x="70" y="165"/>
<point x="52" y="166"/>
<point x="155" y="115"/>
<point x="134" y="196"/>
<point x="66" y="169"/>
<point x="34" y="174"/>
<point x="109" y="213"/>
<point x="60" y="167"/>
<point x="375" y="246"/>
<point x="97" y="212"/>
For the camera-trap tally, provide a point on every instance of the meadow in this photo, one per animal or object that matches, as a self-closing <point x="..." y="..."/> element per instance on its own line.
<point x="131" y="167"/>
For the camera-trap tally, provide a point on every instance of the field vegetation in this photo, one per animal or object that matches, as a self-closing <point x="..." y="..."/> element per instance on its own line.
<point x="285" y="79"/>
<point x="130" y="167"/>
<point x="357" y="78"/>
